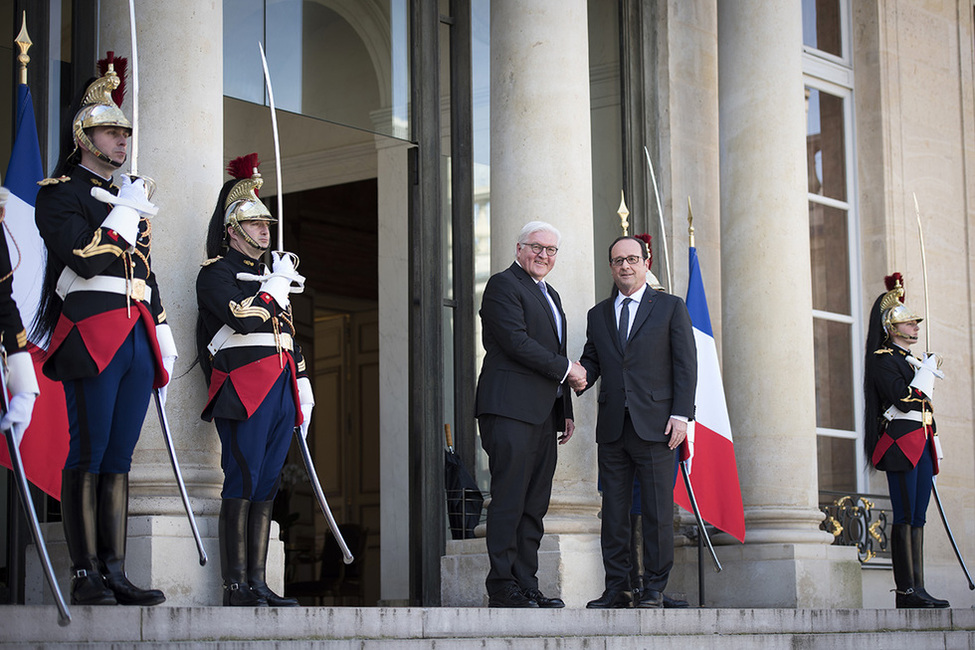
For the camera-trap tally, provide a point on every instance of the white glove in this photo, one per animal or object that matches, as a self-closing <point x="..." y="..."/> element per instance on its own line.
<point x="277" y="287"/>
<point x="283" y="264"/>
<point x="22" y="383"/>
<point x="17" y="418"/>
<point x="168" y="363"/>
<point x="307" y="400"/>
<point x="130" y="204"/>
<point x="925" y="374"/>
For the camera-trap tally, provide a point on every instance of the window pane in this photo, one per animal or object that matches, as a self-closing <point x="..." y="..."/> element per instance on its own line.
<point x="348" y="65"/>
<point x="837" y="464"/>
<point x="834" y="375"/>
<point x="821" y="26"/>
<point x="829" y="252"/>
<point x="243" y="28"/>
<point x="826" y="144"/>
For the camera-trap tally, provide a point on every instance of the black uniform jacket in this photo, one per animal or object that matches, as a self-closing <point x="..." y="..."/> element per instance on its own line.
<point x="655" y="377"/>
<point x="94" y="324"/>
<point x="12" y="332"/>
<point x="525" y="360"/>
<point x="240" y="376"/>
<point x="901" y="441"/>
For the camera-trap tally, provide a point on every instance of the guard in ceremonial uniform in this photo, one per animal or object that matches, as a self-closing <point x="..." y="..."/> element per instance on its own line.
<point x="21" y="380"/>
<point x="109" y="343"/>
<point x="900" y="436"/>
<point x="258" y="389"/>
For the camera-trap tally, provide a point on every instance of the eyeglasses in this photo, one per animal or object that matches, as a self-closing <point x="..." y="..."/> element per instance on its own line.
<point x="632" y="260"/>
<point x="551" y="251"/>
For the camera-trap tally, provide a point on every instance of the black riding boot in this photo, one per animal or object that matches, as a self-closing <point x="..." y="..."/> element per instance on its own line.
<point x="113" y="525"/>
<point x="78" y="515"/>
<point x="636" y="556"/>
<point x="903" y="563"/>
<point x="233" y="555"/>
<point x="258" y="531"/>
<point x="917" y="548"/>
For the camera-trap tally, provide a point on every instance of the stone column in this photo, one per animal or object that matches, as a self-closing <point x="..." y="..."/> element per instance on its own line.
<point x="541" y="168"/>
<point x="181" y="148"/>
<point x="767" y="318"/>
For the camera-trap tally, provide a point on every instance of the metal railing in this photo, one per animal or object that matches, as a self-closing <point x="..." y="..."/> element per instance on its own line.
<point x="858" y="520"/>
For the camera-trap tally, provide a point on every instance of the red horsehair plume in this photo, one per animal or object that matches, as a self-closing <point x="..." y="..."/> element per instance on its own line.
<point x="120" y="64"/>
<point x="893" y="280"/>
<point x="646" y="239"/>
<point x="243" y="167"/>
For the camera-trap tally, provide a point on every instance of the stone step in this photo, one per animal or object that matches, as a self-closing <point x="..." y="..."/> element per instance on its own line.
<point x="456" y="628"/>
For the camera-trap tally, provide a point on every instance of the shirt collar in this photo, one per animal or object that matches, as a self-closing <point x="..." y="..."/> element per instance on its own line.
<point x="637" y="296"/>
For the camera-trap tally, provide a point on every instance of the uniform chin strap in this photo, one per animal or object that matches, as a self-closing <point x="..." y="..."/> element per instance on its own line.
<point x="86" y="142"/>
<point x="243" y="234"/>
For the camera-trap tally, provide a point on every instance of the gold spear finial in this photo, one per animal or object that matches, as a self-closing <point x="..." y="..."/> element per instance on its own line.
<point x="23" y="42"/>
<point x="623" y="213"/>
<point x="690" y="224"/>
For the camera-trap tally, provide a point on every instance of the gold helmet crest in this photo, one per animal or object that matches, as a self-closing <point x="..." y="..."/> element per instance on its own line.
<point x="892" y="307"/>
<point x="99" y="107"/>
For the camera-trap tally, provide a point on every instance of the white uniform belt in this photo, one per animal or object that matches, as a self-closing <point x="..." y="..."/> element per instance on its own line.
<point x="136" y="288"/>
<point x="894" y="413"/>
<point x="226" y="337"/>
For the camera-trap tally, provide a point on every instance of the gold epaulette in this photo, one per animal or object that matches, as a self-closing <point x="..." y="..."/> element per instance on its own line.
<point x="54" y="181"/>
<point x="883" y="351"/>
<point x="211" y="260"/>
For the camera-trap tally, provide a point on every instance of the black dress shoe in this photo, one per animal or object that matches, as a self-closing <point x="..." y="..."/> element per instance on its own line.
<point x="651" y="599"/>
<point x="542" y="600"/>
<point x="675" y="603"/>
<point x="510" y="596"/>
<point x="612" y="599"/>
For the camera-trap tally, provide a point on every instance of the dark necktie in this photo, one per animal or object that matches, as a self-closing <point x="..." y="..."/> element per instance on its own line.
<point x="624" y="321"/>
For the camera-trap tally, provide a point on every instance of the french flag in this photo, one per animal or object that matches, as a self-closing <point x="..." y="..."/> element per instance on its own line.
<point x="715" y="476"/>
<point x="45" y="443"/>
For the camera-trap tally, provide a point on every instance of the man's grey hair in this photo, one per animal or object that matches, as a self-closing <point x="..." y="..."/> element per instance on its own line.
<point x="538" y="226"/>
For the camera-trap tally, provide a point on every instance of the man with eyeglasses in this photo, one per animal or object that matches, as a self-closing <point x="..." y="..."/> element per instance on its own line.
<point x="522" y="403"/>
<point x="641" y="343"/>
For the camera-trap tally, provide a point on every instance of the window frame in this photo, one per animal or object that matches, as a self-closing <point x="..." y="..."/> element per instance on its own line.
<point x="827" y="73"/>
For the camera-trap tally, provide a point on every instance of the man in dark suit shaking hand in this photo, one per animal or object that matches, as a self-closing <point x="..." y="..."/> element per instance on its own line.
<point x="522" y="403"/>
<point x="641" y="343"/>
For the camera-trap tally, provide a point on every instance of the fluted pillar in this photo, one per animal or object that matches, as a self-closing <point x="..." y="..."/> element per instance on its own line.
<point x="767" y="316"/>
<point x="541" y="168"/>
<point x="181" y="148"/>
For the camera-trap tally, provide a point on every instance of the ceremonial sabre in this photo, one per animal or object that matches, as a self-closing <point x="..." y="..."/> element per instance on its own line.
<point x="277" y="149"/>
<point x="927" y="344"/>
<point x="697" y="515"/>
<point x="660" y="214"/>
<point x="302" y="443"/>
<point x="171" y="448"/>
<point x="134" y="149"/>
<point x="150" y="185"/>
<point x="17" y="465"/>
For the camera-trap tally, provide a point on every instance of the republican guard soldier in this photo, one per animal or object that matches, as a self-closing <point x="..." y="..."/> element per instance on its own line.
<point x="900" y="434"/>
<point x="258" y="389"/>
<point x="109" y="342"/>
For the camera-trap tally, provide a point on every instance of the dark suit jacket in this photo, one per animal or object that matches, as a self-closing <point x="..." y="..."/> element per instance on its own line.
<point x="524" y="360"/>
<point x="656" y="376"/>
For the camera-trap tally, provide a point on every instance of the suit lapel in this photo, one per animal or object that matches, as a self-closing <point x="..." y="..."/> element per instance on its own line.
<point x="531" y="286"/>
<point x="643" y="311"/>
<point x="609" y="313"/>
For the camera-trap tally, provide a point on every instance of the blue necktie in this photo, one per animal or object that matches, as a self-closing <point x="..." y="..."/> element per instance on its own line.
<point x="624" y="321"/>
<point x="551" y="305"/>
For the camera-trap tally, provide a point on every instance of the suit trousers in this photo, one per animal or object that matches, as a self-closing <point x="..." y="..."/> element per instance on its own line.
<point x="653" y="464"/>
<point x="522" y="459"/>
